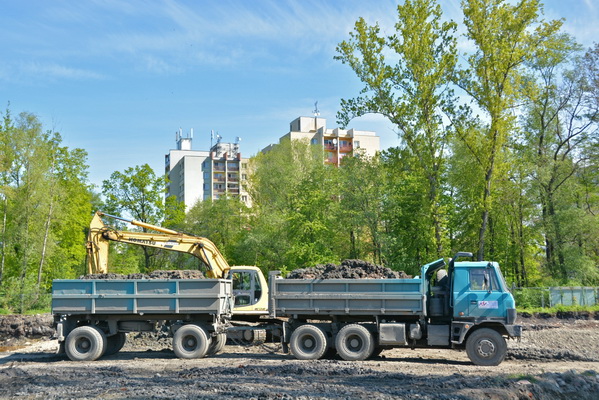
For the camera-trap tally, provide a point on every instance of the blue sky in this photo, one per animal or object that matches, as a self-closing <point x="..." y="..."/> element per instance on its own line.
<point x="119" y="78"/>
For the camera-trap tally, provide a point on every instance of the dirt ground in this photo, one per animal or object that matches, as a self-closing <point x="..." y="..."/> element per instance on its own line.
<point x="556" y="359"/>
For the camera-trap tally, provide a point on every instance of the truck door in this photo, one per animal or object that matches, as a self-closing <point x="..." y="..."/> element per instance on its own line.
<point x="483" y="297"/>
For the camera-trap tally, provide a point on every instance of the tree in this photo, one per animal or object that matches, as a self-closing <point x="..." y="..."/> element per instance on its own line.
<point x="362" y="191"/>
<point x="43" y="189"/>
<point x="225" y="221"/>
<point x="137" y="192"/>
<point x="414" y="93"/>
<point x="505" y="37"/>
<point x="294" y="212"/>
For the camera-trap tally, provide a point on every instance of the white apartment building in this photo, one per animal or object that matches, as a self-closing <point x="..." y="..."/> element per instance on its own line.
<point x="337" y="143"/>
<point x="196" y="175"/>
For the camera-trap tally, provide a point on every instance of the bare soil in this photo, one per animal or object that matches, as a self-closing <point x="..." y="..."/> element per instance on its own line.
<point x="556" y="359"/>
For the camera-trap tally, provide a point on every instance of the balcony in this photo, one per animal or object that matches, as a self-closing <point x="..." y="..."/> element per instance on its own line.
<point x="331" y="147"/>
<point x="346" y="148"/>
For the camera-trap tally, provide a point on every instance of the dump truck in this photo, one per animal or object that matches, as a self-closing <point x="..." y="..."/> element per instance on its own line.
<point x="465" y="304"/>
<point x="461" y="305"/>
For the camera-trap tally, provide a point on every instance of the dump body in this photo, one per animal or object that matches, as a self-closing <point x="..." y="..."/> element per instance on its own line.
<point x="322" y="298"/>
<point x="93" y="316"/>
<point x="142" y="296"/>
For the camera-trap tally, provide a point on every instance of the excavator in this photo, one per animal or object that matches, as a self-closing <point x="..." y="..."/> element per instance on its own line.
<point x="249" y="285"/>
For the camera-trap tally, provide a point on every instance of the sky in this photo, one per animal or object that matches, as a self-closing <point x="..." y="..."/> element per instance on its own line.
<point x="119" y="78"/>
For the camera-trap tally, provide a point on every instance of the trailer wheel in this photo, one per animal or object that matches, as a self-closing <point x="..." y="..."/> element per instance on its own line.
<point x="486" y="347"/>
<point x="191" y="341"/>
<point x="218" y="343"/>
<point x="115" y="343"/>
<point x="308" y="342"/>
<point x="85" y="343"/>
<point x="354" y="342"/>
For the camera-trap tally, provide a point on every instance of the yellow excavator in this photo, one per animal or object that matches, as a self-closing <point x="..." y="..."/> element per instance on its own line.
<point x="249" y="285"/>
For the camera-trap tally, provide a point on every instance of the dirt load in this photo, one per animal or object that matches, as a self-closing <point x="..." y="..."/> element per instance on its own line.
<point x="348" y="269"/>
<point x="158" y="274"/>
<point x="556" y="359"/>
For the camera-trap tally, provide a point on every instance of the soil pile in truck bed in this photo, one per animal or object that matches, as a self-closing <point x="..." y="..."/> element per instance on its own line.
<point x="348" y="269"/>
<point x="158" y="274"/>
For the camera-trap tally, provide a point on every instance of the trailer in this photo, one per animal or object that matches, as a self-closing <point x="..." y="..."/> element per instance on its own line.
<point x="92" y="316"/>
<point x="467" y="305"/>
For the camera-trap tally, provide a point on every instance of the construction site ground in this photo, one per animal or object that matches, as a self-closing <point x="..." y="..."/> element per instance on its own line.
<point x="557" y="358"/>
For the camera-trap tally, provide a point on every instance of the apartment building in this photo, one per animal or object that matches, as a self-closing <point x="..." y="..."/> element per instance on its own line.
<point x="337" y="143"/>
<point x="196" y="175"/>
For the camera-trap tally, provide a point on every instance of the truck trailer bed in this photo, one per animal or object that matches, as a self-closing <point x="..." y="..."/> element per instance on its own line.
<point x="142" y="296"/>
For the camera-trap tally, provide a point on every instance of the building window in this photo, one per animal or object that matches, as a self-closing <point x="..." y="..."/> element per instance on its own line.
<point x="314" y="141"/>
<point x="357" y="144"/>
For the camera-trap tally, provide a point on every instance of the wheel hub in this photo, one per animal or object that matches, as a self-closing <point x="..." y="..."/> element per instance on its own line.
<point x="486" y="348"/>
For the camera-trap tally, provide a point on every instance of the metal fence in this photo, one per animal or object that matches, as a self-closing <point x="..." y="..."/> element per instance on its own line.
<point x="535" y="297"/>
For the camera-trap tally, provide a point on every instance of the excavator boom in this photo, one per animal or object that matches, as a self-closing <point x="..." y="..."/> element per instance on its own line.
<point x="100" y="235"/>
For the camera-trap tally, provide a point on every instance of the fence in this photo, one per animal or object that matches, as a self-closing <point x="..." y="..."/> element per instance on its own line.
<point x="535" y="297"/>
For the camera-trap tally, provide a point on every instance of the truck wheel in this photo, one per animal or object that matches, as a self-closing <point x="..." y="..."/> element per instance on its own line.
<point x="486" y="347"/>
<point x="218" y="343"/>
<point x="354" y="342"/>
<point x="308" y="342"/>
<point x="85" y="343"/>
<point x="191" y="341"/>
<point x="115" y="343"/>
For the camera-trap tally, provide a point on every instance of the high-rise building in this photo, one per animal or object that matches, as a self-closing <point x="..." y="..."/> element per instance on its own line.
<point x="196" y="175"/>
<point x="337" y="143"/>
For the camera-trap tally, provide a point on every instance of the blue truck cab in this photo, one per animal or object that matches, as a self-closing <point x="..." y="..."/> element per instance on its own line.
<point x="473" y="300"/>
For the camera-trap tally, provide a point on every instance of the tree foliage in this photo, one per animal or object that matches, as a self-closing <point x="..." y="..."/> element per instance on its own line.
<point x="45" y="208"/>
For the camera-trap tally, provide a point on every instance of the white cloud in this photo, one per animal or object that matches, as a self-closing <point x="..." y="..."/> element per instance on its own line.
<point x="52" y="70"/>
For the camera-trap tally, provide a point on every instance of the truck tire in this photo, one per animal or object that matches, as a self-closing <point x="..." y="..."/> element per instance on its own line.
<point x="218" y="344"/>
<point x="115" y="343"/>
<point x="308" y="342"/>
<point x="191" y="341"/>
<point x="486" y="347"/>
<point x="85" y="343"/>
<point x="354" y="342"/>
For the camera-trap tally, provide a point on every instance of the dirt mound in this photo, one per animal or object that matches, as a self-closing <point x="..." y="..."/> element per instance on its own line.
<point x="158" y="274"/>
<point x="348" y="269"/>
<point x="25" y="326"/>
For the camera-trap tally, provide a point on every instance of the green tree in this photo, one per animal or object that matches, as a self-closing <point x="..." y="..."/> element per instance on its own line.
<point x="43" y="188"/>
<point x="414" y="93"/>
<point x="362" y="191"/>
<point x="139" y="193"/>
<point x="294" y="212"/>
<point x="225" y="221"/>
<point x="505" y="37"/>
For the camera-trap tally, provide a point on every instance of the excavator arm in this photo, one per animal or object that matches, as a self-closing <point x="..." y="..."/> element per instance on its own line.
<point x="100" y="236"/>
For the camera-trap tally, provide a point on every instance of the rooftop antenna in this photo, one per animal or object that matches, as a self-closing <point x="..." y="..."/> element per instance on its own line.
<point x="316" y="110"/>
<point x="191" y="132"/>
<point x="237" y="140"/>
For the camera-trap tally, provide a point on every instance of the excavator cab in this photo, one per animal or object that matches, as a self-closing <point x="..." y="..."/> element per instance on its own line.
<point x="246" y="287"/>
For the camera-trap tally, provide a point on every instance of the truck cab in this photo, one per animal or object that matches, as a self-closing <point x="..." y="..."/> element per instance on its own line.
<point x="466" y="297"/>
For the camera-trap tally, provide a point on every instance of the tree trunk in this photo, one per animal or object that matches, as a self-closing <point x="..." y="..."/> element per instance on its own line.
<point x="5" y="204"/>
<point x="44" y="245"/>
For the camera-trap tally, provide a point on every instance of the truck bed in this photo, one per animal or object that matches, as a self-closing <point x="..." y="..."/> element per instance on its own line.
<point x="349" y="297"/>
<point x="142" y="296"/>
